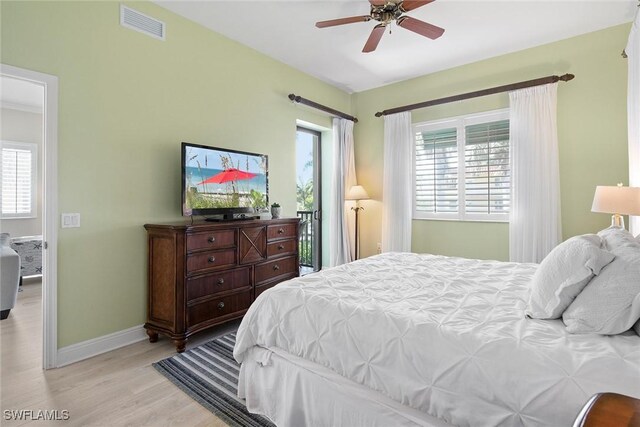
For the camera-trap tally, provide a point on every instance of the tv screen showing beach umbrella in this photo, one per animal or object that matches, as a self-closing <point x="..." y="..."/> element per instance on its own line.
<point x="216" y="178"/>
<point x="227" y="175"/>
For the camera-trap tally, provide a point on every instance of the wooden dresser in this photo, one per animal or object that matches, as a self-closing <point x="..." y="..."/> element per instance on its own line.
<point x="207" y="273"/>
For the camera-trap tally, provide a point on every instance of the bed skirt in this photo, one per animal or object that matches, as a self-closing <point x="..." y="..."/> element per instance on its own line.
<point x="291" y="391"/>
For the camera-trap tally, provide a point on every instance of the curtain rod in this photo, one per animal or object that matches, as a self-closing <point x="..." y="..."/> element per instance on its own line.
<point x="301" y="100"/>
<point x="484" y="92"/>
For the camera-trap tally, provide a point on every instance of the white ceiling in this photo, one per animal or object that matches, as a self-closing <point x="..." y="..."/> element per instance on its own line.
<point x="21" y="95"/>
<point x="475" y="30"/>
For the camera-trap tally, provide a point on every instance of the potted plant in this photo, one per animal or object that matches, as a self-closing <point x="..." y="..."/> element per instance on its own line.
<point x="275" y="210"/>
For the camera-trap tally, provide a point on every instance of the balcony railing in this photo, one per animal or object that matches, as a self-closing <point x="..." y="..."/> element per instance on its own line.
<point x="306" y="238"/>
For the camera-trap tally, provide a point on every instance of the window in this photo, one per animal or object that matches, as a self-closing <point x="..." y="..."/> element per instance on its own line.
<point x="19" y="169"/>
<point x="462" y="168"/>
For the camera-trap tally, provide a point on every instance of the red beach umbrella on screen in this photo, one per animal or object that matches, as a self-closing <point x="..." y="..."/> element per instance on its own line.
<point x="231" y="174"/>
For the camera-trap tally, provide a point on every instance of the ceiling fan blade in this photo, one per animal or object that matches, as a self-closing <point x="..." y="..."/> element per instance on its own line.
<point x="342" y="21"/>
<point x="420" y="27"/>
<point x="374" y="38"/>
<point x="408" y="5"/>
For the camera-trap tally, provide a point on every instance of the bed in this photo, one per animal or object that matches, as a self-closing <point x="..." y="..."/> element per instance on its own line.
<point x="408" y="339"/>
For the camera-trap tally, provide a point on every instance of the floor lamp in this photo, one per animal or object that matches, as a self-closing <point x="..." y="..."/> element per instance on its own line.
<point x="357" y="192"/>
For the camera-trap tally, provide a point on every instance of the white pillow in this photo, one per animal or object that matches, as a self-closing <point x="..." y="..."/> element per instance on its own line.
<point x="610" y="303"/>
<point x="564" y="273"/>
<point x="615" y="237"/>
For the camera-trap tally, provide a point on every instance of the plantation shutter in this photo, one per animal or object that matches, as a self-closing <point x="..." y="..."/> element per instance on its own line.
<point x="16" y="182"/>
<point x="436" y="171"/>
<point x="487" y="171"/>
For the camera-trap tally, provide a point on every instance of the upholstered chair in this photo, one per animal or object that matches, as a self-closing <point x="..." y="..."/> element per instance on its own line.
<point x="9" y="276"/>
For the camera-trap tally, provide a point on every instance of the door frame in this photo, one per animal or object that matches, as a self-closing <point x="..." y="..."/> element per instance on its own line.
<point x="317" y="193"/>
<point x="49" y="161"/>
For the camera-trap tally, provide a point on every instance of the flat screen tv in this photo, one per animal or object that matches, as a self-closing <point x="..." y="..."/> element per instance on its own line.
<point x="219" y="182"/>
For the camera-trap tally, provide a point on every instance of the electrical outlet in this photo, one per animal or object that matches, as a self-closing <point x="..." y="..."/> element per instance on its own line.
<point x="379" y="247"/>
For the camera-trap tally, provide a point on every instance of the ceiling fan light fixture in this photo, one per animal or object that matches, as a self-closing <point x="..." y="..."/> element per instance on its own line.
<point x="385" y="12"/>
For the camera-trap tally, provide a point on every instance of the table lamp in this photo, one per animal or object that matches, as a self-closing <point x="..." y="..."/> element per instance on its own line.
<point x="618" y="201"/>
<point x="357" y="192"/>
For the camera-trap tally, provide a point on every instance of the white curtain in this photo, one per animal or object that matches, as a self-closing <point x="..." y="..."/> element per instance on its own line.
<point x="534" y="222"/>
<point x="633" y="113"/>
<point x="344" y="176"/>
<point x="397" y="182"/>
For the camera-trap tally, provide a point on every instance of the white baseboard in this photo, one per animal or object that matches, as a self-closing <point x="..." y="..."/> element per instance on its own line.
<point x="93" y="347"/>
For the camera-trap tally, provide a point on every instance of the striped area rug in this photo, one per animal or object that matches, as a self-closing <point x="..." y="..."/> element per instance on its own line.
<point x="209" y="375"/>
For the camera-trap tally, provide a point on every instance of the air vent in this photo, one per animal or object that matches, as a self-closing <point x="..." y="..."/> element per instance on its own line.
<point x="140" y="22"/>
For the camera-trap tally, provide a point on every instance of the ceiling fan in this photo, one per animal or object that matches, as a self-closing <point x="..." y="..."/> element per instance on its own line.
<point x="386" y="11"/>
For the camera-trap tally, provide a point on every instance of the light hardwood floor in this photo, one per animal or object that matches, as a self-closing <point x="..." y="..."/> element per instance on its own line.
<point x="119" y="388"/>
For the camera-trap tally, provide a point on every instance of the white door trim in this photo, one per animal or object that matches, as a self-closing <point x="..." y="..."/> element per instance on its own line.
<point x="50" y="209"/>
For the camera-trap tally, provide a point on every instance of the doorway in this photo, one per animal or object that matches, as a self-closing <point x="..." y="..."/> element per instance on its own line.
<point x="309" y="198"/>
<point x="26" y="86"/>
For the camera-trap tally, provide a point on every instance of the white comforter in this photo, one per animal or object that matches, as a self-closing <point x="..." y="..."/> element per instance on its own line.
<point x="446" y="336"/>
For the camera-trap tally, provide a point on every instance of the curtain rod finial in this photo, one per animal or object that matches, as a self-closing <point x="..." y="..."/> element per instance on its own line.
<point x="379" y="114"/>
<point x="292" y="96"/>
<point x="567" y="77"/>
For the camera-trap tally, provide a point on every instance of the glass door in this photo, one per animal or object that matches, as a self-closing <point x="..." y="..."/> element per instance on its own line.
<point x="308" y="198"/>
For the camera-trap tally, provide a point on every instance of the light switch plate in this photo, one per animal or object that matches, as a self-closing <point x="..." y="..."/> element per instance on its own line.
<point x="70" y="220"/>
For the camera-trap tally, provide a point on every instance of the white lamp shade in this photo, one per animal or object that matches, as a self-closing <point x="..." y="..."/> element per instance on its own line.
<point x="617" y="200"/>
<point x="357" y="192"/>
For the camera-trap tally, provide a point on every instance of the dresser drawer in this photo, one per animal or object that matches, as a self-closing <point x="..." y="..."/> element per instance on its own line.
<point x="211" y="260"/>
<point x="211" y="240"/>
<point x="283" y="247"/>
<point x="260" y="289"/>
<point x="273" y="269"/>
<point x="203" y="286"/>
<point x="218" y="307"/>
<point x="282" y="231"/>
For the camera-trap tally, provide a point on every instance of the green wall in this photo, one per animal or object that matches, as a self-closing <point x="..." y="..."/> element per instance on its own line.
<point x="592" y="134"/>
<point x="126" y="102"/>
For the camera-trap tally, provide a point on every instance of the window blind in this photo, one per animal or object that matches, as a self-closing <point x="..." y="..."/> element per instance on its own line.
<point x="436" y="171"/>
<point x="16" y="182"/>
<point x="487" y="171"/>
<point x="462" y="168"/>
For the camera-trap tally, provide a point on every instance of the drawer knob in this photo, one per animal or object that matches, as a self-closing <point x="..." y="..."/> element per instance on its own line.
<point x="280" y="230"/>
<point x="276" y="267"/>
<point x="280" y="247"/>
<point x="220" y="305"/>
<point x="221" y="281"/>
<point x="212" y="259"/>
<point x="211" y="239"/>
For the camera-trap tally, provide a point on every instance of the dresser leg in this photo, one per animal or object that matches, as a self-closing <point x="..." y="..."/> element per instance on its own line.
<point x="181" y="345"/>
<point x="153" y="335"/>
